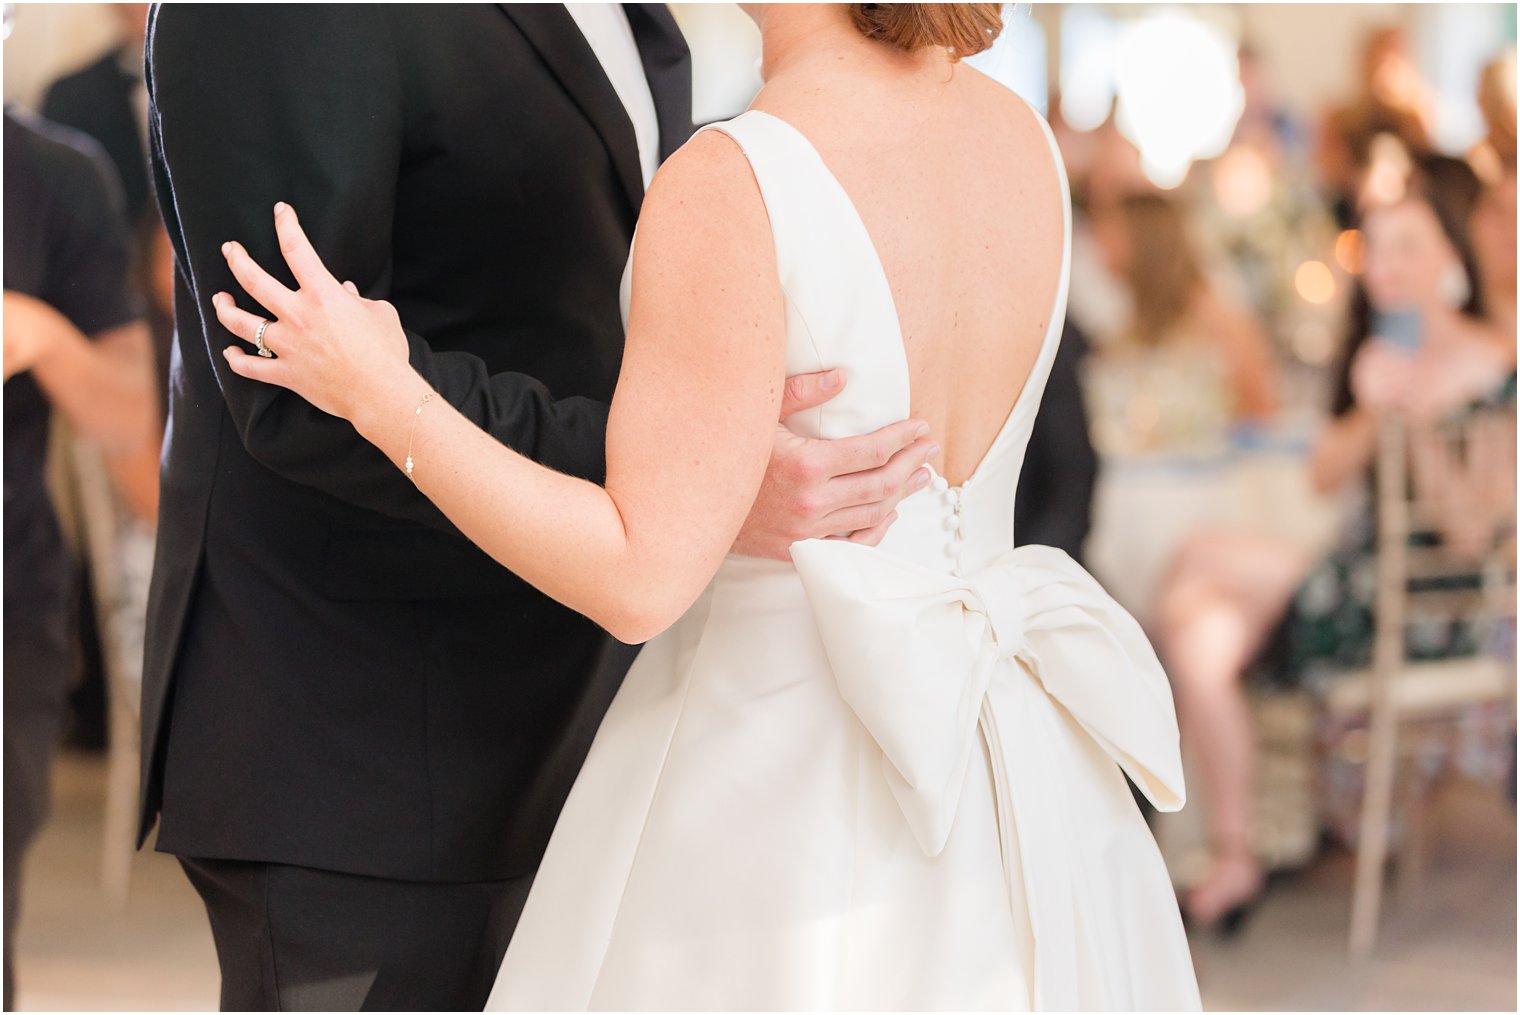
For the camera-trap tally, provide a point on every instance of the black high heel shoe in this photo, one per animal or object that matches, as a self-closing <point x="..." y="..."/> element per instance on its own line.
<point x="1232" y="922"/>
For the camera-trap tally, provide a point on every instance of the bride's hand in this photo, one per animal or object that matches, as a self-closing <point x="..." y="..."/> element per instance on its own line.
<point x="331" y="346"/>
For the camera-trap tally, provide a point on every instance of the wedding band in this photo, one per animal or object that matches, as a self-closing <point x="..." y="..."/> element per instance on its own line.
<point x="258" y="340"/>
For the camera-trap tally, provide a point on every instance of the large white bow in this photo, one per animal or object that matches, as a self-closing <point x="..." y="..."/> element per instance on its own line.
<point x="927" y="660"/>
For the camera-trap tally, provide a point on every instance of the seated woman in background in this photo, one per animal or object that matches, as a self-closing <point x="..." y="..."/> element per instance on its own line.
<point x="1168" y="384"/>
<point x="1184" y="335"/>
<point x="1233" y="603"/>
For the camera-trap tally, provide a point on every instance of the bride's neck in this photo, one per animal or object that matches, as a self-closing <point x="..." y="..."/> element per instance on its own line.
<point x="795" y="35"/>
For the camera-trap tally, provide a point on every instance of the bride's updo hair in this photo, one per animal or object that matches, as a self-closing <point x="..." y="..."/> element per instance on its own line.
<point x="963" y="29"/>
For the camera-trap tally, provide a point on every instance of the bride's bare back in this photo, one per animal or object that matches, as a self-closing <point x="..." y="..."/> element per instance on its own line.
<point x="952" y="175"/>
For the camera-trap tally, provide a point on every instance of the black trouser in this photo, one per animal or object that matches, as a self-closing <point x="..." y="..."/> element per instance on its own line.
<point x="36" y="660"/>
<point x="293" y="938"/>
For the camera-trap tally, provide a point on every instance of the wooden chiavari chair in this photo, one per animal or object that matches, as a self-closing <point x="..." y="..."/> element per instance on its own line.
<point x="1446" y="547"/>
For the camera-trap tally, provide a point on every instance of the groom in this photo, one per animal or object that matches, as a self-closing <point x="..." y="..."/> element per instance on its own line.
<point x="357" y="729"/>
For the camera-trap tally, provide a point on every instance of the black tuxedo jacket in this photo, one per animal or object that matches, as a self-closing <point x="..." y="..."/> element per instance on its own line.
<point x="335" y="677"/>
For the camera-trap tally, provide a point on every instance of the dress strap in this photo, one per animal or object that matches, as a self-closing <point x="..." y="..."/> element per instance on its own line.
<point x="801" y="196"/>
<point x="840" y="305"/>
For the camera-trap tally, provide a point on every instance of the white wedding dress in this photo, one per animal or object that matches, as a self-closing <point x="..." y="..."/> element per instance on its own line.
<point x="883" y="777"/>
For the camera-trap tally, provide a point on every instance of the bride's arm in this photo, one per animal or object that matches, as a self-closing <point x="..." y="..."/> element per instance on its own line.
<point x="691" y="426"/>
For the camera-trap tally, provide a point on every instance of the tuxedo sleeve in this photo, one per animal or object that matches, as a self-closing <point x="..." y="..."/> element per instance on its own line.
<point x="305" y="103"/>
<point x="1053" y="504"/>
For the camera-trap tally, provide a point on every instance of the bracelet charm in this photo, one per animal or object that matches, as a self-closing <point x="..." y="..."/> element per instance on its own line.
<point x="407" y="465"/>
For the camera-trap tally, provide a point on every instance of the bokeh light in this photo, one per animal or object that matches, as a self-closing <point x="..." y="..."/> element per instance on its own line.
<point x="1179" y="91"/>
<point x="1313" y="343"/>
<point x="1314" y="282"/>
<point x="1349" y="251"/>
<point x="1242" y="182"/>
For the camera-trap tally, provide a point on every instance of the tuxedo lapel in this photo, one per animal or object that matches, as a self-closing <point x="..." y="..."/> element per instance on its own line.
<point x="667" y="67"/>
<point x="552" y="32"/>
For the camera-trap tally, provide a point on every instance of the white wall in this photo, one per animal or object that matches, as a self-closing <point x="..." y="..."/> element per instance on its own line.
<point x="1314" y="51"/>
<point x="725" y="58"/>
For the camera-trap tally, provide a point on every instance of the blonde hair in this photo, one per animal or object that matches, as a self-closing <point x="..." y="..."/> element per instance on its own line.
<point x="1163" y="273"/>
<point x="963" y="29"/>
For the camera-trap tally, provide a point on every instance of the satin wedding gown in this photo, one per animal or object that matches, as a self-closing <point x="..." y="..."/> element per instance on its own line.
<point x="883" y="777"/>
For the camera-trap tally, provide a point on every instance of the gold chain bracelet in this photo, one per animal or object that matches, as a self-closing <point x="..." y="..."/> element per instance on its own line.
<point x="417" y="412"/>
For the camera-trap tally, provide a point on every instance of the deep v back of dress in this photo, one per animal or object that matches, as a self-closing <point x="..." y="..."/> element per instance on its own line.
<point x="879" y="777"/>
<point x="841" y="313"/>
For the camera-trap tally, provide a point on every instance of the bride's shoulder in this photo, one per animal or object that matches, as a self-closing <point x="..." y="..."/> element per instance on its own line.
<point x="703" y="204"/>
<point x="709" y="170"/>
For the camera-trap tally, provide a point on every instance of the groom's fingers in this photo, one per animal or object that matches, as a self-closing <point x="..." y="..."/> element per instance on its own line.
<point x="903" y="474"/>
<point x="874" y="496"/>
<point x="872" y="536"/>
<point x="860" y="518"/>
<point x="298" y="252"/>
<point x="808" y="391"/>
<point x="873" y="450"/>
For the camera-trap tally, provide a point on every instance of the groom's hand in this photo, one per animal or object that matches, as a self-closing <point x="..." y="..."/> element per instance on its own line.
<point x="847" y="488"/>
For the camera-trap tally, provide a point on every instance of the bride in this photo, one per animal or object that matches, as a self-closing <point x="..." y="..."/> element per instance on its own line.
<point x="877" y="777"/>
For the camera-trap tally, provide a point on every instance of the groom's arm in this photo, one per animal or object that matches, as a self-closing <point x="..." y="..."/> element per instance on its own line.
<point x="303" y="103"/>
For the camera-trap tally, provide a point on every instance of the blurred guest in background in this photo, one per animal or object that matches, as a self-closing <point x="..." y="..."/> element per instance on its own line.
<point x="1101" y="165"/>
<point x="1113" y="168"/>
<point x="1266" y="124"/>
<point x="1393" y="100"/>
<point x="108" y="100"/>
<point x="1234" y="603"/>
<point x="1254" y="208"/>
<point x="74" y="342"/>
<point x="1053" y="506"/>
<point x="1494" y="156"/>
<point x="1182" y="366"/>
<point x="1494" y="240"/>
<point x="1184" y="334"/>
<point x="1493" y="223"/>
